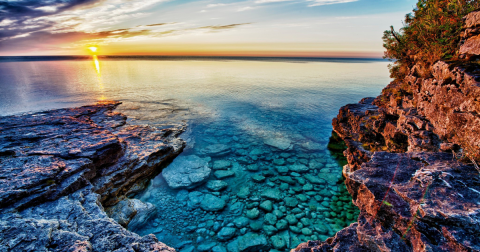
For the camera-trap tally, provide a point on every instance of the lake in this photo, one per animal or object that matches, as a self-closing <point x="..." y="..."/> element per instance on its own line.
<point x="259" y="126"/>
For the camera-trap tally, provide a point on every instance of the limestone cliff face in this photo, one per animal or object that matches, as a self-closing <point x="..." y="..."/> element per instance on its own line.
<point x="58" y="169"/>
<point x="403" y="172"/>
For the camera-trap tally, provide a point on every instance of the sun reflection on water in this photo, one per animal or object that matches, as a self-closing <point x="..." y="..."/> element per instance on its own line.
<point x="99" y="77"/>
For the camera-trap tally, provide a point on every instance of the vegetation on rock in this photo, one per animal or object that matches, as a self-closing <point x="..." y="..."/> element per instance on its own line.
<point x="430" y="33"/>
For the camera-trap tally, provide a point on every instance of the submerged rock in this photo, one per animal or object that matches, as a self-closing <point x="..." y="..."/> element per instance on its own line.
<point x="249" y="242"/>
<point x="187" y="172"/>
<point x="279" y="142"/>
<point x="212" y="203"/>
<point x="216" y="185"/>
<point x="216" y="150"/>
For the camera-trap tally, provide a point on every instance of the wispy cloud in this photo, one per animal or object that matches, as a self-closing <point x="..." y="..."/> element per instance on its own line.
<point x="245" y="8"/>
<point x="327" y="2"/>
<point x="271" y="1"/>
<point x="217" y="5"/>
<point x="222" y="27"/>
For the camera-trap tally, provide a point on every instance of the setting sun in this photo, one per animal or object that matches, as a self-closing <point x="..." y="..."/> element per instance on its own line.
<point x="93" y="48"/>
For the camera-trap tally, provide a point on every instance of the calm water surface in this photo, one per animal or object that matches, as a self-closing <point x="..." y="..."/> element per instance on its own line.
<point x="268" y="121"/>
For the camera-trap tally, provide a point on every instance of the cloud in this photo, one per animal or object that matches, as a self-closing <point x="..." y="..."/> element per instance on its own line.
<point x="48" y="40"/>
<point x="65" y="16"/>
<point x="270" y="1"/>
<point x="222" y="27"/>
<point x="328" y="2"/>
<point x="159" y="24"/>
<point x="216" y="5"/>
<point x="245" y="8"/>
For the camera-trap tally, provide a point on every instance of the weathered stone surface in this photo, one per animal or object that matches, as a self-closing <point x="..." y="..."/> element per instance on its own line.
<point x="216" y="185"/>
<point x="249" y="242"/>
<point x="417" y="196"/>
<point x="279" y="142"/>
<point x="470" y="44"/>
<point x="187" y="172"/>
<point x="212" y="203"/>
<point x="59" y="167"/>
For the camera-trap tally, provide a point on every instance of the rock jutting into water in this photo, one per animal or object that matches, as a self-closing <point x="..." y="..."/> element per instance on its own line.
<point x="421" y="196"/>
<point x="60" y="168"/>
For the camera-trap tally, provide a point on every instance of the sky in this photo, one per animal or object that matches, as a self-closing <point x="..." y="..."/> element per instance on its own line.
<point x="279" y="28"/>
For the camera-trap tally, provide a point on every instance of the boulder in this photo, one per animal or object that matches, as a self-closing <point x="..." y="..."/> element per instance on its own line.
<point x="249" y="242"/>
<point x="212" y="203"/>
<point x="216" y="185"/>
<point x="279" y="143"/>
<point x="187" y="172"/>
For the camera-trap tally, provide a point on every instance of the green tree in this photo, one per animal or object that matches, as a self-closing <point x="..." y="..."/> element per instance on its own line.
<point x="430" y="33"/>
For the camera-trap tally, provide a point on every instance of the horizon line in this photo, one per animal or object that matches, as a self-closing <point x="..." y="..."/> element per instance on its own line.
<point x="59" y="57"/>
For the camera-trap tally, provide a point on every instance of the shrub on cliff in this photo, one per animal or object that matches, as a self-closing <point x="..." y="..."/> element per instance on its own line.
<point x="430" y="33"/>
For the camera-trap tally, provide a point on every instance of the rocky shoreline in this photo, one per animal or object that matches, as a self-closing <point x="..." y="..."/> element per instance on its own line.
<point x="420" y="195"/>
<point x="60" y="168"/>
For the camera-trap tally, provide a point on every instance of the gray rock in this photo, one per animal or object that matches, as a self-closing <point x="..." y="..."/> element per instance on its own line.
<point x="278" y="242"/>
<point x="258" y="178"/>
<point x="144" y="211"/>
<point x="249" y="242"/>
<point x="226" y="233"/>
<point x="216" y="185"/>
<point x="281" y="225"/>
<point x="241" y="222"/>
<point x="187" y="172"/>
<point x="270" y="218"/>
<point x="189" y="248"/>
<point x="244" y="192"/>
<point x="256" y="225"/>
<point x="300" y="168"/>
<point x="273" y="194"/>
<point x="311" y="146"/>
<point x="291" y="202"/>
<point x="212" y="203"/>
<point x="182" y="195"/>
<point x="221" y="164"/>
<point x="219" y="248"/>
<point x="204" y="247"/>
<point x="279" y="161"/>
<point x="314" y="179"/>
<point x="216" y="150"/>
<point x="307" y="231"/>
<point x="292" y="220"/>
<point x="269" y="230"/>
<point x="224" y="174"/>
<point x="253" y="213"/>
<point x="267" y="206"/>
<point x="195" y="198"/>
<point x="279" y="142"/>
<point x="236" y="209"/>
<point x="59" y="167"/>
<point x="281" y="169"/>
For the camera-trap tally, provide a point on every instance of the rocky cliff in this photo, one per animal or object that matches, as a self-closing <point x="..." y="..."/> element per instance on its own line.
<point x="411" y="167"/>
<point x="59" y="169"/>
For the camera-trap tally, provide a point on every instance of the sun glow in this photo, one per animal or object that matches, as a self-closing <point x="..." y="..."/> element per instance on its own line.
<point x="93" y="49"/>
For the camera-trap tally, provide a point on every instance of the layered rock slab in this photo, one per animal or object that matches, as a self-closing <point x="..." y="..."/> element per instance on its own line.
<point x="59" y="167"/>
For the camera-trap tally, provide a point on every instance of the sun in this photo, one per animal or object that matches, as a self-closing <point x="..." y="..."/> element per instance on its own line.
<point x="93" y="49"/>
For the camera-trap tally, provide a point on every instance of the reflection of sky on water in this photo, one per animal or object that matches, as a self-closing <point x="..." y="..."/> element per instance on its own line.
<point x="239" y="103"/>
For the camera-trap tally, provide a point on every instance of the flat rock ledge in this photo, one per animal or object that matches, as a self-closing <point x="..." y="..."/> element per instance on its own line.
<point x="60" y="168"/>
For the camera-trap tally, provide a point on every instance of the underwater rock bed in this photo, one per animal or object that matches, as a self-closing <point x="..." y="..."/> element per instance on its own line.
<point x="236" y="192"/>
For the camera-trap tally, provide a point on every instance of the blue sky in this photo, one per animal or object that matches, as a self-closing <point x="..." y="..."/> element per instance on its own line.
<point x="212" y="27"/>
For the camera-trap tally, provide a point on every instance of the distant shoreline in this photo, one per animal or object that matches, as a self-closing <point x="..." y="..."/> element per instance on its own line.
<point x="155" y="57"/>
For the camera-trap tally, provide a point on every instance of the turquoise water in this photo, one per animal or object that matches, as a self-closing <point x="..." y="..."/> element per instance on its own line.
<point x="260" y="126"/>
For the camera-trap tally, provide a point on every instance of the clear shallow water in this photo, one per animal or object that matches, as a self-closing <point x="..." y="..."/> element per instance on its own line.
<point x="237" y="105"/>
